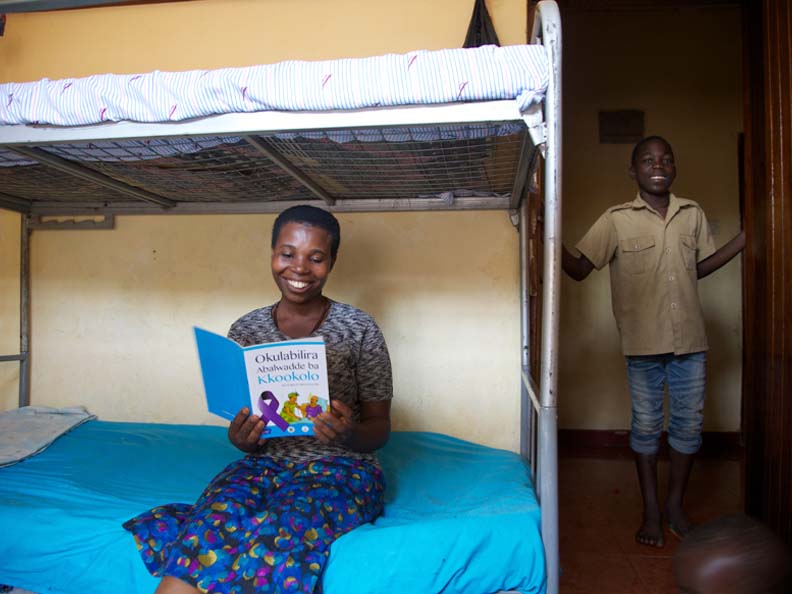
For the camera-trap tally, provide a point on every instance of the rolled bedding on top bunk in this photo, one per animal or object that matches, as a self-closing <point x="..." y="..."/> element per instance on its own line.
<point x="517" y="72"/>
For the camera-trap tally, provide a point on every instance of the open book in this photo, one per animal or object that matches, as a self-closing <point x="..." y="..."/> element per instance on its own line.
<point x="285" y="383"/>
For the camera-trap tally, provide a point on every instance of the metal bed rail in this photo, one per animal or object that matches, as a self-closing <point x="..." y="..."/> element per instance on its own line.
<point x="539" y="443"/>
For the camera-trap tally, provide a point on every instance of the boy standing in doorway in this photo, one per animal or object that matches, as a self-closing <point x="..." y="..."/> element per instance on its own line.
<point x="658" y="246"/>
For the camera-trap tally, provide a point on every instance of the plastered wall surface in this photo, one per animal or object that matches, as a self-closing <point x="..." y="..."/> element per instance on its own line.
<point x="224" y="33"/>
<point x="682" y="68"/>
<point x="9" y="308"/>
<point x="113" y="310"/>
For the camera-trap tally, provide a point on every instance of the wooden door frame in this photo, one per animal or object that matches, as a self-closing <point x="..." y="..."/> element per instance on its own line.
<point x="767" y="336"/>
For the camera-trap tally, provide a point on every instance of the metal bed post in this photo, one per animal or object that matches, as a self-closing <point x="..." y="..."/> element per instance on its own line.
<point x="527" y="393"/>
<point x="547" y="26"/>
<point x="24" y="312"/>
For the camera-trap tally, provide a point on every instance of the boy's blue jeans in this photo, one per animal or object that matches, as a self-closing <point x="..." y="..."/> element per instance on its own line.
<point x="685" y="376"/>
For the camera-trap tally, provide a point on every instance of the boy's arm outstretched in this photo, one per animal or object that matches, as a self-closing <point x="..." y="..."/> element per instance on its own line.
<point x="725" y="253"/>
<point x="577" y="268"/>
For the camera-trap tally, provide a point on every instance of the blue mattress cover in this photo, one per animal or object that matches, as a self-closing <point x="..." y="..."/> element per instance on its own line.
<point x="459" y="517"/>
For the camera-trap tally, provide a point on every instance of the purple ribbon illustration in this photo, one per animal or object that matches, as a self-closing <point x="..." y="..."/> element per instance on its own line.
<point x="268" y="405"/>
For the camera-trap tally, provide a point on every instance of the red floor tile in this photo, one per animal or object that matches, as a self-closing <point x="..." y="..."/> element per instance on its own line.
<point x="600" y="510"/>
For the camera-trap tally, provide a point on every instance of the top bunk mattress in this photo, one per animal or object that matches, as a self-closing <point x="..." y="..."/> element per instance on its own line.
<point x="426" y="130"/>
<point x="488" y="73"/>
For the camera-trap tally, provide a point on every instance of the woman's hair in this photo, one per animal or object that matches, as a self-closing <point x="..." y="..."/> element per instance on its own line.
<point x="313" y="216"/>
<point x="641" y="143"/>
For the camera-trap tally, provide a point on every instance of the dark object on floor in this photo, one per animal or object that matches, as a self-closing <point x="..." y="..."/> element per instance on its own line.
<point x="733" y="555"/>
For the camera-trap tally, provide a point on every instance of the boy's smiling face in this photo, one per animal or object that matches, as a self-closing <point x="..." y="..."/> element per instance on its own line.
<point x="653" y="169"/>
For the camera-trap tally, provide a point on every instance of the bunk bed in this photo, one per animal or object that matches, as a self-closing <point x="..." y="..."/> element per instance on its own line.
<point x="103" y="146"/>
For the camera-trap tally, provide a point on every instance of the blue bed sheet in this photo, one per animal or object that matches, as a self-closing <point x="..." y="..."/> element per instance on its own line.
<point x="459" y="517"/>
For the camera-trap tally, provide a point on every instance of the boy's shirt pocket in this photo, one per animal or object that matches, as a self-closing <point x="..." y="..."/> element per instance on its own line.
<point x="688" y="247"/>
<point x="637" y="253"/>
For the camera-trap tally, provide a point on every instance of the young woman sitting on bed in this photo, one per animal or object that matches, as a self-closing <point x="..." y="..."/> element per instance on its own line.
<point x="266" y="522"/>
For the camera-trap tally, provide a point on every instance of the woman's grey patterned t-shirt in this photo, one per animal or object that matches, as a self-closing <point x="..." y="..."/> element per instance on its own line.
<point x="358" y="370"/>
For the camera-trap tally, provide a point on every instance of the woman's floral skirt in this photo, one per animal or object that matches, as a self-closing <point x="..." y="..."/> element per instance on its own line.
<point x="261" y="526"/>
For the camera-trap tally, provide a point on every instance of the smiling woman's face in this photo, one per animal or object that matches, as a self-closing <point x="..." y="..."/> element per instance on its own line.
<point x="301" y="262"/>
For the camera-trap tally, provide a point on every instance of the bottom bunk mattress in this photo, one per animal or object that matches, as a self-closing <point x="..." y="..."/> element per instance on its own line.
<point x="459" y="517"/>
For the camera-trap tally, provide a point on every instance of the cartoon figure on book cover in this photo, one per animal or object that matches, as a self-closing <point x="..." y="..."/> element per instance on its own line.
<point x="313" y="408"/>
<point x="290" y="409"/>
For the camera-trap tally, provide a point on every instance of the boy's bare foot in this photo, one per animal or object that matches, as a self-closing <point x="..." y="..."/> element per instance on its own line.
<point x="651" y="533"/>
<point x="678" y="523"/>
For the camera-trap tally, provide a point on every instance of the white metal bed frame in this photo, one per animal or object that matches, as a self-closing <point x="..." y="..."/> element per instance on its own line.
<point x="538" y="432"/>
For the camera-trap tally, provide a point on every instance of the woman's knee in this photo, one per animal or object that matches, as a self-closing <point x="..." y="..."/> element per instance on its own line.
<point x="172" y="585"/>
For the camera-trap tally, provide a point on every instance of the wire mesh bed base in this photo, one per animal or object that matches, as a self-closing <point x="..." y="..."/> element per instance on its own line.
<point x="481" y="165"/>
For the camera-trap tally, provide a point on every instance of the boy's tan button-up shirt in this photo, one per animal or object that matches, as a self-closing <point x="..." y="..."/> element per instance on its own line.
<point x="653" y="273"/>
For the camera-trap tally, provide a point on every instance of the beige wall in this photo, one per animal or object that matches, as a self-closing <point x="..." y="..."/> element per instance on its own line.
<point x="682" y="67"/>
<point x="109" y="305"/>
<point x="218" y="33"/>
<point x="9" y="308"/>
<point x="112" y="311"/>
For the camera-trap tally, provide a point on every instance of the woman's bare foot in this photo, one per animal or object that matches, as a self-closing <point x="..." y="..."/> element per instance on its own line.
<point x="651" y="533"/>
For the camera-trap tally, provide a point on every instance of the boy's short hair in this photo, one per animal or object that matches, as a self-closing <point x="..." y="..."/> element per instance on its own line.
<point x="754" y="557"/>
<point x="313" y="216"/>
<point x="645" y="141"/>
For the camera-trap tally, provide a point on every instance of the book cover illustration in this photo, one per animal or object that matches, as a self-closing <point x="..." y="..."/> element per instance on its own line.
<point x="284" y="383"/>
